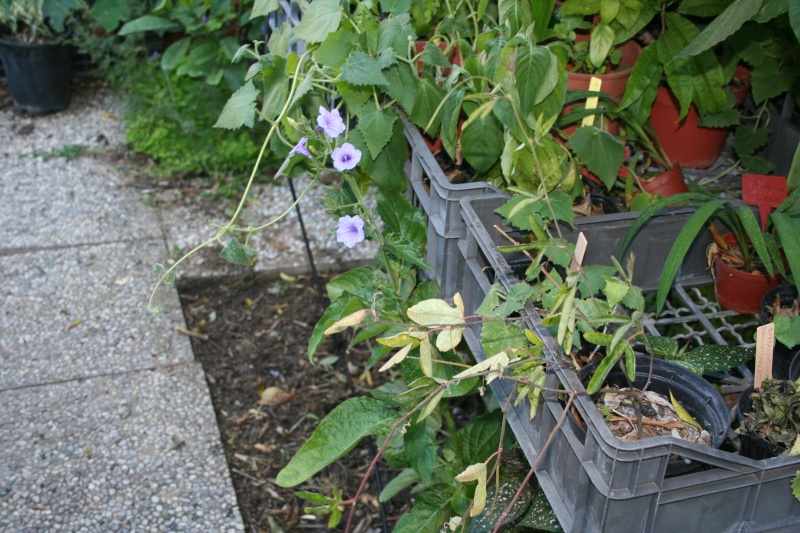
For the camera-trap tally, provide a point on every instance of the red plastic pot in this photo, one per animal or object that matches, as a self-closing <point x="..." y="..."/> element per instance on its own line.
<point x="686" y="142"/>
<point x="613" y="83"/>
<point x="739" y="290"/>
<point x="667" y="183"/>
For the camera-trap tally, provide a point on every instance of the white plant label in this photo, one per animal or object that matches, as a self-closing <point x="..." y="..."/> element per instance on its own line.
<point x="580" y="251"/>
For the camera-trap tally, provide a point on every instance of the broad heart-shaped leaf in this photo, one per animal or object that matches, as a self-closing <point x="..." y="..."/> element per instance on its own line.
<point x="321" y="18"/>
<point x="343" y="306"/>
<point x="236" y="252"/>
<point x="497" y="336"/>
<point x="683" y="242"/>
<point x="431" y="510"/>
<point x="421" y="449"/>
<point x="375" y="126"/>
<point x="516" y="299"/>
<point x="148" y="23"/>
<point x="435" y="312"/>
<point x="713" y="357"/>
<point x="600" y="151"/>
<point x="240" y="109"/>
<point x="536" y="77"/>
<point x="540" y="515"/>
<point x="362" y="69"/>
<point x="481" y="438"/>
<point x="771" y="79"/>
<point x="723" y="26"/>
<point x="264" y="7"/>
<point x="395" y="33"/>
<point x="403" y="84"/>
<point x="337" y="434"/>
<point x="481" y="141"/>
<point x="335" y="48"/>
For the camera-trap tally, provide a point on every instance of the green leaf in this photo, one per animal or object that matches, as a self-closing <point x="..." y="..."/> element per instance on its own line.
<point x="388" y="170"/>
<point x="794" y="21"/>
<point x="481" y="141"/>
<point x="175" y="53"/>
<point x="682" y="244"/>
<point x="406" y="252"/>
<point x="723" y="119"/>
<point x="499" y="336"/>
<point x="280" y="39"/>
<point x="536" y="76"/>
<point x="343" y="306"/>
<point x="400" y="482"/>
<point x="264" y="7"/>
<point x="431" y="510"/>
<point x="516" y="299"/>
<point x="615" y="290"/>
<point x="421" y="450"/>
<point x="663" y="346"/>
<point x="110" y="13"/>
<point x="480" y="438"/>
<point x="321" y="18"/>
<point x="237" y="253"/>
<point x="428" y="97"/>
<point x="276" y="87"/>
<point x="716" y="358"/>
<point x="771" y="79"/>
<point x="451" y="113"/>
<point x="337" y="434"/>
<point x="644" y="71"/>
<point x="788" y="229"/>
<point x="335" y="48"/>
<point x="240" y="109"/>
<point x="540" y="515"/>
<point x="433" y="55"/>
<point x="394" y="34"/>
<point x="491" y="515"/>
<point x="600" y="44"/>
<point x="749" y="139"/>
<point x="396" y="7"/>
<point x="403" y="86"/>
<point x="362" y="69"/>
<point x="796" y="486"/>
<point x="723" y="26"/>
<point x="600" y="151"/>
<point x="375" y="126"/>
<point x="703" y="8"/>
<point x="148" y="23"/>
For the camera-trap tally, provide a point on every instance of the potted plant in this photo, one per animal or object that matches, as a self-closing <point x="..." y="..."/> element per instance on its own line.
<point x="780" y="306"/>
<point x="769" y="419"/>
<point x="692" y="100"/>
<point x="36" y="59"/>
<point x="750" y="248"/>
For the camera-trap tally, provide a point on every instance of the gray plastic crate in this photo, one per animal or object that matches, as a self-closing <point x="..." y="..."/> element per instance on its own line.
<point x="596" y="482"/>
<point x="439" y="199"/>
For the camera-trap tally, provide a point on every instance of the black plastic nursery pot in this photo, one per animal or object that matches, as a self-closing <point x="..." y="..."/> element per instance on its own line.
<point x="782" y="356"/>
<point x="38" y="75"/>
<point x="752" y="444"/>
<point x="693" y="392"/>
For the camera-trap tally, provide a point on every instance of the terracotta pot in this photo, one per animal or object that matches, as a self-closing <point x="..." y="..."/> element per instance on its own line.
<point x="667" y="183"/>
<point x="614" y="83"/>
<point x="739" y="290"/>
<point x="686" y="142"/>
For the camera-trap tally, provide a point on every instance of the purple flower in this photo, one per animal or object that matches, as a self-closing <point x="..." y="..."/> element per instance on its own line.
<point x="154" y="55"/>
<point x="351" y="230"/>
<point x="345" y="157"/>
<point x="300" y="148"/>
<point x="330" y="122"/>
<point x="203" y="19"/>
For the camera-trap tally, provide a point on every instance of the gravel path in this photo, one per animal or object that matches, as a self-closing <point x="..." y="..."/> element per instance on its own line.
<point x="105" y="419"/>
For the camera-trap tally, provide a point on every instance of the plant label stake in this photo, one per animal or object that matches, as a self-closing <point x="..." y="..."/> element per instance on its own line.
<point x="580" y="251"/>
<point x="764" y="192"/>
<point x="591" y="102"/>
<point x="765" y="341"/>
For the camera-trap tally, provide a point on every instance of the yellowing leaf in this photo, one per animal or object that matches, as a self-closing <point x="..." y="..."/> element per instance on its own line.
<point x="683" y="414"/>
<point x="476" y="472"/>
<point x="497" y="362"/>
<point x="448" y="338"/>
<point x="75" y="323"/>
<point x="273" y="396"/>
<point x="397" y="358"/>
<point x="401" y="339"/>
<point x="342" y="324"/>
<point x="426" y="357"/>
<point x="434" y="312"/>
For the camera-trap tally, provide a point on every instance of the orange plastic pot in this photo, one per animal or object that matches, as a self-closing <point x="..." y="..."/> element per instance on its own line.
<point x="685" y="141"/>
<point x="739" y="290"/>
<point x="668" y="183"/>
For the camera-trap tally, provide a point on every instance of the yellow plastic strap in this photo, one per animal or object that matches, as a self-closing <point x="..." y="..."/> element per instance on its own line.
<point x="591" y="102"/>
